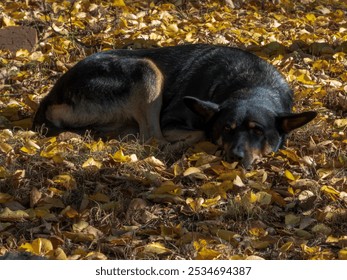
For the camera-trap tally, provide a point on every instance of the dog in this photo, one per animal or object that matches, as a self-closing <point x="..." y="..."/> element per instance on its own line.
<point x="184" y="93"/>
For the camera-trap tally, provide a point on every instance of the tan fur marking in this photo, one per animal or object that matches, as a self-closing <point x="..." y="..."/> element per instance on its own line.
<point x="252" y="153"/>
<point x="59" y="113"/>
<point x="146" y="101"/>
<point x="252" y="125"/>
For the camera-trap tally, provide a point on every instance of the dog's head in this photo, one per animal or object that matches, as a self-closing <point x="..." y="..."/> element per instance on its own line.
<point x="246" y="130"/>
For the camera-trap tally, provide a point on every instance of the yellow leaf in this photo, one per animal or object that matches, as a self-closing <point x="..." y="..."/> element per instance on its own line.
<point x="230" y="166"/>
<point x="238" y="182"/>
<point x="196" y="156"/>
<point x="204" y="253"/>
<point x="156" y="248"/>
<point x="80" y="226"/>
<point x="56" y="148"/>
<point x="211" y="201"/>
<point x="95" y="256"/>
<point x="177" y="169"/>
<point x="168" y="187"/>
<point x="305" y="79"/>
<point x="41" y="246"/>
<point x="44" y="213"/>
<point x="5" y="148"/>
<point x="212" y="189"/>
<point x="207" y="254"/>
<point x="257" y="231"/>
<point x="249" y="198"/>
<point x="69" y="212"/>
<point x="191" y="170"/>
<point x="28" y="150"/>
<point x="286" y="246"/>
<point x="342" y="254"/>
<point x="310" y="250"/>
<point x="22" y="53"/>
<point x="57" y="158"/>
<point x="8" y="215"/>
<point x="66" y="181"/>
<point x="3" y="172"/>
<point x="229" y="176"/>
<point x="90" y="162"/>
<point x="291" y="155"/>
<point x="330" y="192"/>
<point x="27" y="247"/>
<point x="339" y="13"/>
<point x="320" y="64"/>
<point x="277" y="198"/>
<point x="79" y="236"/>
<point x="38" y="56"/>
<point x="263" y="198"/>
<point x="8" y="21"/>
<point x="289" y="175"/>
<point x="311" y="17"/>
<point x="173" y="28"/>
<point x="226" y="235"/>
<point x="57" y="254"/>
<point x="340" y="123"/>
<point x="157" y="163"/>
<point x="4" y="197"/>
<point x="205" y="159"/>
<point x="323" y="173"/>
<point x="195" y="204"/>
<point x="118" y="3"/>
<point x="120" y="157"/>
<point x="96" y="146"/>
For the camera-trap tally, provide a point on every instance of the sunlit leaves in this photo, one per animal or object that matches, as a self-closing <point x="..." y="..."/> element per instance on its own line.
<point x="8" y="215"/>
<point x="66" y="181"/>
<point x="89" y="195"/>
<point x="203" y="252"/>
<point x="91" y="162"/>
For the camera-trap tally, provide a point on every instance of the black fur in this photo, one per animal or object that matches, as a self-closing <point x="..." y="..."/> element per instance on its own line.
<point x="238" y="100"/>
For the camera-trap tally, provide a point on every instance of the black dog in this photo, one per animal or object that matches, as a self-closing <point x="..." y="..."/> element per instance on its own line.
<point x="183" y="93"/>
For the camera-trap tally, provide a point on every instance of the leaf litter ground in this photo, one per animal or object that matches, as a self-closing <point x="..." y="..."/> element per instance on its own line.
<point x="73" y="197"/>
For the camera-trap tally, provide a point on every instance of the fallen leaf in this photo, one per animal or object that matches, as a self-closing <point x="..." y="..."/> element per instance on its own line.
<point x="8" y="215"/>
<point x="91" y="162"/>
<point x="156" y="248"/>
<point x="292" y="220"/>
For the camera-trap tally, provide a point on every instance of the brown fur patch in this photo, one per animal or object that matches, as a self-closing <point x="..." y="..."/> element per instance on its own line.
<point x="146" y="100"/>
<point x="59" y="114"/>
<point x="252" y="154"/>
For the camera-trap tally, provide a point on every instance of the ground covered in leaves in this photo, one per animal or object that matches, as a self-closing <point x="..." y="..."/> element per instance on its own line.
<point x="71" y="197"/>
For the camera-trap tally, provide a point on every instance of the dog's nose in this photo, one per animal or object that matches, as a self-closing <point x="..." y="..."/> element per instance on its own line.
<point x="238" y="153"/>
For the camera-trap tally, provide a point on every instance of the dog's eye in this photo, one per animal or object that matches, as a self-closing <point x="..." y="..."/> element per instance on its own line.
<point x="258" y="131"/>
<point x="229" y="127"/>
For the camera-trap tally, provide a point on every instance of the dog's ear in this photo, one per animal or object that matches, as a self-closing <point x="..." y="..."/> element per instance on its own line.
<point x="205" y="109"/>
<point x="293" y="121"/>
